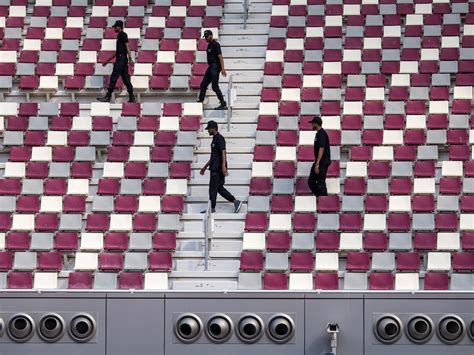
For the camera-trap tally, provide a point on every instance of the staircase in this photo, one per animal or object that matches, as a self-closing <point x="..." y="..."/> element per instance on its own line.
<point x="244" y="55"/>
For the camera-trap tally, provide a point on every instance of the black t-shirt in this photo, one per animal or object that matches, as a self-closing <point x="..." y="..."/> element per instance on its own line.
<point x="213" y="52"/>
<point x="217" y="146"/>
<point x="122" y="39"/>
<point x="321" y="140"/>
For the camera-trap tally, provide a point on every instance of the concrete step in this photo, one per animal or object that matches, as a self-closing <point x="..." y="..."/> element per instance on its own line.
<point x="219" y="226"/>
<point x="253" y="1"/>
<point x="204" y="283"/>
<point x="226" y="246"/>
<point x="228" y="182"/>
<point x="243" y="40"/>
<point x="246" y="149"/>
<point x="185" y="248"/>
<point x="199" y="203"/>
<point x="242" y="102"/>
<point x="215" y="114"/>
<point x="222" y="121"/>
<point x="235" y="131"/>
<point x="252" y="29"/>
<point x="234" y="175"/>
<point x="244" y="76"/>
<point x="214" y="265"/>
<point x="243" y="52"/>
<point x="204" y="145"/>
<point x="229" y="254"/>
<point x="253" y="8"/>
<point x="239" y="18"/>
<point x="244" y="63"/>
<point x="189" y="235"/>
<point x="225" y="254"/>
<point x="232" y="160"/>
<point x="230" y="215"/>
<point x="243" y="89"/>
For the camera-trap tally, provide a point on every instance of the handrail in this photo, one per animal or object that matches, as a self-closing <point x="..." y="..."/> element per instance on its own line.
<point x="246" y="12"/>
<point x="207" y="230"/>
<point x="230" y="99"/>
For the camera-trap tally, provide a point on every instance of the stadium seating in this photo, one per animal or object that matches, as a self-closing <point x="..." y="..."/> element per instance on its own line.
<point x="52" y="47"/>
<point x="92" y="194"/>
<point x="393" y="83"/>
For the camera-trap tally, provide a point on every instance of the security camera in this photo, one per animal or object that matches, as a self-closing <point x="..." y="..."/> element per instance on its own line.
<point x="332" y="328"/>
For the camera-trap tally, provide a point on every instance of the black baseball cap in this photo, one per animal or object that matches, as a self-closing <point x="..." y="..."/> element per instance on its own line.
<point x="207" y="33"/>
<point x="118" y="23"/>
<point x="317" y="120"/>
<point x="211" y="124"/>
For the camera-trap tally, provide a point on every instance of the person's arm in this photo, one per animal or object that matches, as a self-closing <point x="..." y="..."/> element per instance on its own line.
<point x="320" y="155"/>
<point x="221" y="60"/>
<point x="224" y="163"/>
<point x="129" y="53"/>
<point x="204" y="168"/>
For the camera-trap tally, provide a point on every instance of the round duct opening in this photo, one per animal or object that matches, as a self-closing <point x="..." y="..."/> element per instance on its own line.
<point x="82" y="328"/>
<point x="21" y="328"/>
<point x="51" y="327"/>
<point x="388" y="329"/>
<point x="188" y="328"/>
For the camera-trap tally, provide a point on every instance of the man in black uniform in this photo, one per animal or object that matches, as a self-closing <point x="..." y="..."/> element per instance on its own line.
<point x="322" y="159"/>
<point x="218" y="167"/>
<point x="216" y="66"/>
<point x="123" y="57"/>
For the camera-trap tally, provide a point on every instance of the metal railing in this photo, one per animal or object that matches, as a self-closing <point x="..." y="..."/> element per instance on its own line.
<point x="207" y="229"/>
<point x="231" y="98"/>
<point x="246" y="12"/>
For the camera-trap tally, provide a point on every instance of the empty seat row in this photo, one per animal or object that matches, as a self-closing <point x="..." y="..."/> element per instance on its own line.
<point x="85" y="280"/>
<point x="94" y="222"/>
<point x="71" y="109"/>
<point x="419" y="242"/>
<point x="356" y="261"/>
<point x="356" y="281"/>
<point x="72" y="241"/>
<point x="309" y="222"/>
<point x="285" y="203"/>
<point x="107" y="261"/>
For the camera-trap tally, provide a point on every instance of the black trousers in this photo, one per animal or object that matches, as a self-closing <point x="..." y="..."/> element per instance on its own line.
<point x="216" y="185"/>
<point x="211" y="76"/>
<point x="317" y="182"/>
<point x="120" y="69"/>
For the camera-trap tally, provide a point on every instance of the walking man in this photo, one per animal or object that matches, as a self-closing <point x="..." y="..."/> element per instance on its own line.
<point x="322" y="159"/>
<point x="216" y="66"/>
<point x="218" y="168"/>
<point x="122" y="58"/>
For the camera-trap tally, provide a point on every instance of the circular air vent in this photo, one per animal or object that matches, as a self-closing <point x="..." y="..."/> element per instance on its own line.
<point x="280" y="328"/>
<point x="188" y="328"/>
<point x="420" y="329"/>
<point x="250" y="328"/>
<point x="451" y="329"/>
<point x="82" y="328"/>
<point x="219" y="328"/>
<point x="51" y="327"/>
<point x="388" y="329"/>
<point x="21" y="328"/>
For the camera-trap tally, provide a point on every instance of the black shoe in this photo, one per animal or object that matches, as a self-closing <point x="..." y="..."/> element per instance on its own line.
<point x="131" y="99"/>
<point x="199" y="101"/>
<point x="222" y="106"/>
<point x="237" y="205"/>
<point x="105" y="98"/>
